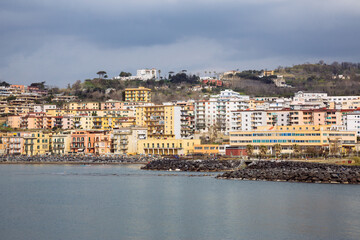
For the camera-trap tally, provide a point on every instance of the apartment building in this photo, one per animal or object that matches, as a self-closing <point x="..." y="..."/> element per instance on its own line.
<point x="162" y="121"/>
<point x="187" y="119"/>
<point x="44" y="107"/>
<point x="218" y="109"/>
<point x="112" y="104"/>
<point x="140" y="94"/>
<point x="60" y="143"/>
<point x="320" y="137"/>
<point x="82" y="105"/>
<point x="167" y="146"/>
<point x="352" y="122"/>
<point x="124" y="140"/>
<point x="102" y="142"/>
<point x="82" y="142"/>
<point x="11" y="143"/>
<point x="37" y="143"/>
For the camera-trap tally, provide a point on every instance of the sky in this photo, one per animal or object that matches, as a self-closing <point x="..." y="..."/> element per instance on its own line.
<point x="60" y="42"/>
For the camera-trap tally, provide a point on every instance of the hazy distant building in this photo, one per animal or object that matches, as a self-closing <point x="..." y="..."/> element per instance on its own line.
<point x="146" y="74"/>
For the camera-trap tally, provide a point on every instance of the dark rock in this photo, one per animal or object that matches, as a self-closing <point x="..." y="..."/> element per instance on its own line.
<point x="297" y="172"/>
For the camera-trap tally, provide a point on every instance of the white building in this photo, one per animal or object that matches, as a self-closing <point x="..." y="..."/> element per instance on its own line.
<point x="217" y="111"/>
<point x="309" y="96"/>
<point x="352" y="122"/>
<point x="43" y="108"/>
<point x="247" y="120"/>
<point x="141" y="74"/>
<point x="146" y="74"/>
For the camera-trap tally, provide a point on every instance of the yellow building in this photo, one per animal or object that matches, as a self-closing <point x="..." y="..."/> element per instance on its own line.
<point x="83" y="122"/>
<point x="60" y="143"/>
<point x="167" y="147"/>
<point x="162" y="121"/>
<point x="122" y="122"/>
<point x="317" y="136"/>
<point x="124" y="140"/>
<point x="211" y="149"/>
<point x="57" y="112"/>
<point x="89" y="112"/>
<point x="140" y="94"/>
<point x="82" y="105"/>
<point x="269" y="72"/>
<point x="36" y="143"/>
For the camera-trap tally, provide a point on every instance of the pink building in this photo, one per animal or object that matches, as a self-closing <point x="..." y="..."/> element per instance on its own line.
<point x="37" y="120"/>
<point x="14" y="121"/>
<point x="68" y="122"/>
<point x="111" y="104"/>
<point x="102" y="142"/>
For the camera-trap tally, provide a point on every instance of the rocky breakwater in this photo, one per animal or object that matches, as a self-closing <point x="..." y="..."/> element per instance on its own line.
<point x="192" y="165"/>
<point x="296" y="172"/>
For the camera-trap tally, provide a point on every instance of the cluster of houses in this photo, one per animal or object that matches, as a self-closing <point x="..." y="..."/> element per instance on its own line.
<point x="245" y="125"/>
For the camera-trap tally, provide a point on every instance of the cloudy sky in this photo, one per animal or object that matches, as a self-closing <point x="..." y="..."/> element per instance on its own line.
<point x="62" y="41"/>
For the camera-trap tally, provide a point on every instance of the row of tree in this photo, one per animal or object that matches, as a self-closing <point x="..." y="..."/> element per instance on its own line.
<point x="308" y="151"/>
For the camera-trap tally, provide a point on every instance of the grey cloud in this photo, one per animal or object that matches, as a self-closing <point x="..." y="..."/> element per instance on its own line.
<point x="126" y="35"/>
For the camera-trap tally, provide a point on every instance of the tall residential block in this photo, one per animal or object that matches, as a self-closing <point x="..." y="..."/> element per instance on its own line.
<point x="162" y="121"/>
<point x="124" y="140"/>
<point x="140" y="94"/>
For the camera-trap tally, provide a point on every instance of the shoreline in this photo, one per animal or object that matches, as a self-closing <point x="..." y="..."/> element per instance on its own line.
<point x="77" y="160"/>
<point x="72" y="163"/>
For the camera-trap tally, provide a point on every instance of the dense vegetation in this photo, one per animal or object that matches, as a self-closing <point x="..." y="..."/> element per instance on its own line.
<point x="335" y="79"/>
<point x="176" y="87"/>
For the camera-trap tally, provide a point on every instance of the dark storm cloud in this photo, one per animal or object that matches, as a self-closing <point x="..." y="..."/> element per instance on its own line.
<point x="68" y="40"/>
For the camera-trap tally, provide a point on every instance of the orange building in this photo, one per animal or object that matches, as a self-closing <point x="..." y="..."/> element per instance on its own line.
<point x="210" y="149"/>
<point x="90" y="142"/>
<point x="21" y="88"/>
<point x="82" y="142"/>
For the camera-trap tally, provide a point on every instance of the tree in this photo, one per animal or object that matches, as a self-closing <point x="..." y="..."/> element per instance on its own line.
<point x="11" y="98"/>
<point x="182" y="77"/>
<point x="263" y="150"/>
<point x="335" y="146"/>
<point x="311" y="151"/>
<point x="49" y="98"/>
<point x="125" y="74"/>
<point x="39" y="85"/>
<point x="101" y="73"/>
<point x="277" y="148"/>
<point x="159" y="71"/>
<point x="77" y="85"/>
<point x="250" y="150"/>
<point x="4" y="84"/>
<point x="296" y="149"/>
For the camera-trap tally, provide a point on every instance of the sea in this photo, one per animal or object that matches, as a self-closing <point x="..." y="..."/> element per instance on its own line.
<point x="93" y="202"/>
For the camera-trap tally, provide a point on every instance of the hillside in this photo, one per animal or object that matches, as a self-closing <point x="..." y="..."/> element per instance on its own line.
<point x="177" y="87"/>
<point x="334" y="79"/>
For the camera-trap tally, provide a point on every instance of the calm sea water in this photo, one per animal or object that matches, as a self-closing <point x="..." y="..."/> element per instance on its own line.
<point x="124" y="202"/>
